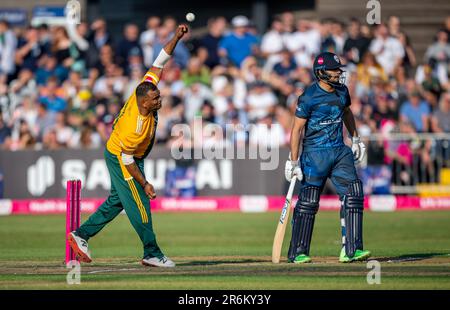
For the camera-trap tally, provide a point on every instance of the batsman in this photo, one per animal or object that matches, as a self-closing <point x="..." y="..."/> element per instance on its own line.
<point x="321" y="110"/>
<point x="130" y="142"/>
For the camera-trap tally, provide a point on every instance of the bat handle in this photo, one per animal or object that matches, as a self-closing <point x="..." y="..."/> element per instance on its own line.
<point x="291" y="187"/>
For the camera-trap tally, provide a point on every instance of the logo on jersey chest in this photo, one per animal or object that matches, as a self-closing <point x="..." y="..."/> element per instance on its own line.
<point x="331" y="121"/>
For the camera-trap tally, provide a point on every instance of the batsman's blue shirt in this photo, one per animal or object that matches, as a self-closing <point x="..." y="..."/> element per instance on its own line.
<point x="324" y="111"/>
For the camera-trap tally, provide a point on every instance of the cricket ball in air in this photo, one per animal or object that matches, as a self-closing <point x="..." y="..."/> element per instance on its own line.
<point x="190" y="17"/>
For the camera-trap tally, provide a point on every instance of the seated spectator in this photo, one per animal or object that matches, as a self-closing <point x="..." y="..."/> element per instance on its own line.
<point x="26" y="110"/>
<point x="29" y="49"/>
<point x="129" y="42"/>
<point x="209" y="44"/>
<point x="47" y="67"/>
<point x="51" y="100"/>
<point x="7" y="49"/>
<point x="286" y="66"/>
<point x="356" y="44"/>
<point x="180" y="54"/>
<point x="382" y="110"/>
<point x="272" y="44"/>
<point x="86" y="138"/>
<point x="147" y="39"/>
<point x="303" y="44"/>
<point x="195" y="72"/>
<point x="44" y="121"/>
<point x="266" y="133"/>
<point x="23" y="86"/>
<point x="194" y="98"/>
<point x="239" y="44"/>
<point x="416" y="111"/>
<point x="50" y="140"/>
<point x="369" y="72"/>
<point x="111" y="83"/>
<point x="440" y="120"/>
<point x="5" y="131"/>
<point x="63" y="131"/>
<point x="261" y="101"/>
<point x="388" y="50"/>
<point x="106" y="58"/>
<point x="23" y="140"/>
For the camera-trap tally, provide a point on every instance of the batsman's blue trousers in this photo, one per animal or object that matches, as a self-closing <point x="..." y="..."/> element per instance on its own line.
<point x="335" y="163"/>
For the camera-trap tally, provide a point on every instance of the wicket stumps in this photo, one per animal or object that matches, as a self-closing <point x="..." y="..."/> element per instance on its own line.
<point x="73" y="203"/>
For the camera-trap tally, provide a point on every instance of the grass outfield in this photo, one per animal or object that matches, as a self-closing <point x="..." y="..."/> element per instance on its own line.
<point x="229" y="251"/>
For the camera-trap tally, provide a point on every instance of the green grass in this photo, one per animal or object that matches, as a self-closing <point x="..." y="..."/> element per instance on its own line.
<point x="229" y="251"/>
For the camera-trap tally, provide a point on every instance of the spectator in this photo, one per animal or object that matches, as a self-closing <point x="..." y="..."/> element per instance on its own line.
<point x="44" y="121"/>
<point x="8" y="45"/>
<point x="53" y="102"/>
<point x="408" y="62"/>
<point x="29" y="50"/>
<point x="261" y="101"/>
<point x="303" y="44"/>
<point x="394" y="26"/>
<point x="369" y="72"/>
<point x="25" y="139"/>
<point x="239" y="44"/>
<point x="45" y="38"/>
<point x="98" y="37"/>
<point x="5" y="131"/>
<point x="273" y="44"/>
<point x="388" y="50"/>
<point x="50" y="140"/>
<point x="148" y="38"/>
<point x="416" y="111"/>
<point x="180" y="55"/>
<point x="195" y="72"/>
<point x="47" y="67"/>
<point x="440" y="120"/>
<point x="63" y="131"/>
<point x="439" y="55"/>
<point x="286" y="66"/>
<point x="61" y="48"/>
<point x="23" y="86"/>
<point x="209" y="43"/>
<point x="129" y="42"/>
<point x="266" y="133"/>
<point x="288" y="20"/>
<point x="356" y="44"/>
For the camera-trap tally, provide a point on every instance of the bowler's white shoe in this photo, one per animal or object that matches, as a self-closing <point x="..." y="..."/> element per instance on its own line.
<point x="80" y="247"/>
<point x="158" y="262"/>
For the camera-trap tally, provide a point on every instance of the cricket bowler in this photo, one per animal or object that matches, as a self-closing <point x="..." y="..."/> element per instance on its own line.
<point x="321" y="110"/>
<point x="130" y="142"/>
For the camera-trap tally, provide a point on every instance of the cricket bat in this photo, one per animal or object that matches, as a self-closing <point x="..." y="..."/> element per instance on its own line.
<point x="282" y="223"/>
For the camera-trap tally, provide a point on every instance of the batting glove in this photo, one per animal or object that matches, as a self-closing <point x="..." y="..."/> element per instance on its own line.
<point x="292" y="169"/>
<point x="358" y="149"/>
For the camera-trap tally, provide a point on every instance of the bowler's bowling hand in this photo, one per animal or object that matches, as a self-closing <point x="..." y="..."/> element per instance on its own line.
<point x="181" y="31"/>
<point x="149" y="190"/>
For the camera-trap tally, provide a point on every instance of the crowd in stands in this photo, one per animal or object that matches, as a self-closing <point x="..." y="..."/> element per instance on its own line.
<point x="62" y="87"/>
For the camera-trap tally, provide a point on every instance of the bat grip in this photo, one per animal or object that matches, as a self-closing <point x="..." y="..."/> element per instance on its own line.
<point x="291" y="187"/>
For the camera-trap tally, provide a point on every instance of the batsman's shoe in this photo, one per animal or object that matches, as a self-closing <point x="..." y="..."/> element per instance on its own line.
<point x="360" y="255"/>
<point x="302" y="259"/>
<point x="158" y="262"/>
<point x="80" y="247"/>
